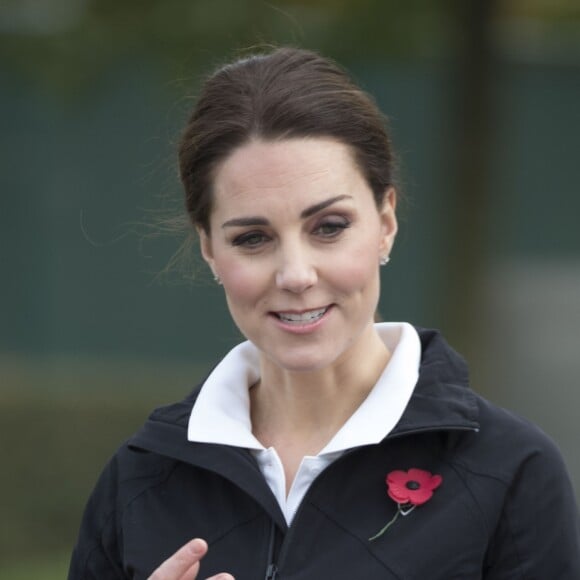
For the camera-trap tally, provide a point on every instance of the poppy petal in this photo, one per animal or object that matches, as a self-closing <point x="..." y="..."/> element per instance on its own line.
<point x="419" y="475"/>
<point x="436" y="481"/>
<point x="397" y="476"/>
<point x="420" y="496"/>
<point x="398" y="492"/>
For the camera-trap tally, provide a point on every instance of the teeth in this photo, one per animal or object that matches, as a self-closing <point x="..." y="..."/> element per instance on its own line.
<point x="304" y="317"/>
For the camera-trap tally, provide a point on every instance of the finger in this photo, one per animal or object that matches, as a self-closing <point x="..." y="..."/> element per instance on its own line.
<point x="221" y="576"/>
<point x="185" y="562"/>
<point x="190" y="574"/>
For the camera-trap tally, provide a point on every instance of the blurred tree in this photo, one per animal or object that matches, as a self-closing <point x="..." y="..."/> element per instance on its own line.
<point x="68" y="44"/>
<point x="469" y="170"/>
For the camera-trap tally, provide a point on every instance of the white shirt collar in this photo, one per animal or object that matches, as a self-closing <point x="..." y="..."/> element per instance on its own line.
<point x="221" y="413"/>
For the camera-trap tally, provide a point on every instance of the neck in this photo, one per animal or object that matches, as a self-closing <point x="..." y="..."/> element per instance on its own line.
<point x="306" y="409"/>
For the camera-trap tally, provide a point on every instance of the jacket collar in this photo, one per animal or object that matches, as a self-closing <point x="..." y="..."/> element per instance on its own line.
<point x="442" y="401"/>
<point x="165" y="434"/>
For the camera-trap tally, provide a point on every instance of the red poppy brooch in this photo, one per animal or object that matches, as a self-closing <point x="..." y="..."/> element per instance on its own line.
<point x="409" y="489"/>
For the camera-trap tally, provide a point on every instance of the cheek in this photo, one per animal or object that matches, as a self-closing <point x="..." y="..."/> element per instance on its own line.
<point x="359" y="271"/>
<point x="242" y="282"/>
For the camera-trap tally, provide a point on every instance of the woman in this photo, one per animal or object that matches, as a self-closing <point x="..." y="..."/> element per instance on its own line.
<point x="326" y="446"/>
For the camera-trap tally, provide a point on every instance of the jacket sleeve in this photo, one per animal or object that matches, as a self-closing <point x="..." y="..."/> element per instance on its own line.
<point x="97" y="552"/>
<point x="538" y="536"/>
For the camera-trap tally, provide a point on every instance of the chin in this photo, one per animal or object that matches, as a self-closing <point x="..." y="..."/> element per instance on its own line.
<point x="301" y="362"/>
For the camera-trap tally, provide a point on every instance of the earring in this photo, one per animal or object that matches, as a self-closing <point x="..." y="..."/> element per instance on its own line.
<point x="384" y="260"/>
<point x="217" y="279"/>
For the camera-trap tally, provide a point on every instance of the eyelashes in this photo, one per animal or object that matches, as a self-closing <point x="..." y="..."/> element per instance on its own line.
<point x="332" y="228"/>
<point x="249" y="239"/>
<point x="327" y="229"/>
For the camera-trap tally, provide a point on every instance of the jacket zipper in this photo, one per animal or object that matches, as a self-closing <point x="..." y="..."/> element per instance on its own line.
<point x="272" y="569"/>
<point x="271" y="572"/>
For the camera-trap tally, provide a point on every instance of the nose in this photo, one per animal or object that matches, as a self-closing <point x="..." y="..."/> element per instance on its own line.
<point x="296" y="271"/>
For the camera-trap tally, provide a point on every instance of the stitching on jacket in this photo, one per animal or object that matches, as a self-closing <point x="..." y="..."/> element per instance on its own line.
<point x="232" y="528"/>
<point x="365" y="544"/>
<point x="164" y="481"/>
<point x="477" y="473"/>
<point x="100" y="544"/>
<point x="505" y="517"/>
<point x="481" y="511"/>
<point x="155" y="483"/>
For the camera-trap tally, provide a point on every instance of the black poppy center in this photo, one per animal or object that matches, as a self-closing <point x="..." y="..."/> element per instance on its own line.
<point x="413" y="485"/>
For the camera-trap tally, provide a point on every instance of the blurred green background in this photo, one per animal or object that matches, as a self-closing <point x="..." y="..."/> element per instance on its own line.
<point x="483" y="100"/>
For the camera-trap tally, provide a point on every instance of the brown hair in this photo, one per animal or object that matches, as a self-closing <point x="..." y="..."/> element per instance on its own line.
<point x="286" y="93"/>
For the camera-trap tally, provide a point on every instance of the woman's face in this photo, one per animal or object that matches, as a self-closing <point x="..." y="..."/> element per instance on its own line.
<point x="296" y="239"/>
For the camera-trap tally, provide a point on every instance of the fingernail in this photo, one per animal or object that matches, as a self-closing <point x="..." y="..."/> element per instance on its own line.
<point x="197" y="546"/>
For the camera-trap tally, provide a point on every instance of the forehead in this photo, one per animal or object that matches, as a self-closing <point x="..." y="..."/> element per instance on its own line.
<point x="288" y="170"/>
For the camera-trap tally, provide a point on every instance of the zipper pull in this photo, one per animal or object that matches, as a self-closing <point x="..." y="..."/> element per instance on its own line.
<point x="271" y="572"/>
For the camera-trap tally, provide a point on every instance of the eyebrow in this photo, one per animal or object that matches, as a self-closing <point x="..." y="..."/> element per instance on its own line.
<point x="306" y="213"/>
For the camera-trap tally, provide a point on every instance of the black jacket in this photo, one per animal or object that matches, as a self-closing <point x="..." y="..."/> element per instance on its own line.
<point x="505" y="509"/>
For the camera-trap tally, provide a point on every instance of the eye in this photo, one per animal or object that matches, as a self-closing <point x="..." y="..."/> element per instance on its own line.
<point x="250" y="239"/>
<point x="331" y="227"/>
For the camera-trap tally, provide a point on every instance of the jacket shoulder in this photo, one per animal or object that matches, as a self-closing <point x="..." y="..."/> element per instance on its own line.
<point x="129" y="473"/>
<point x="505" y="442"/>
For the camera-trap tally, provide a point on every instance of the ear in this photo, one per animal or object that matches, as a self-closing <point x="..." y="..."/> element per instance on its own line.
<point x="206" y="248"/>
<point x="389" y="224"/>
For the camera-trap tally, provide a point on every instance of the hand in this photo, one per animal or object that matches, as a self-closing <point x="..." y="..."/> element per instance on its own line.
<point x="184" y="564"/>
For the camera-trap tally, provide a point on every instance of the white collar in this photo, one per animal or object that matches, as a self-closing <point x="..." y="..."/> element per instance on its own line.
<point x="221" y="413"/>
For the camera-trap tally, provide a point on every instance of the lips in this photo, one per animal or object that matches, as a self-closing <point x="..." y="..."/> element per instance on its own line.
<point x="304" y="317"/>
